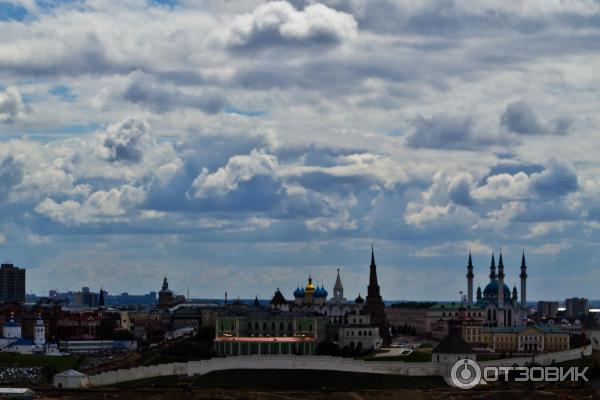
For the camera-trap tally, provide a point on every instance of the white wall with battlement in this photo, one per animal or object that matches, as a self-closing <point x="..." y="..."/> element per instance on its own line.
<point x="323" y="363"/>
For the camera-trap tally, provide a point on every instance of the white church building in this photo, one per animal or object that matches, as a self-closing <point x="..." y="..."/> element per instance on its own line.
<point x="12" y="340"/>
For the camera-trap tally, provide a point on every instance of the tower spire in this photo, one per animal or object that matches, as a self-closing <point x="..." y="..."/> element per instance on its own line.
<point x="372" y="256"/>
<point x="338" y="289"/>
<point x="374" y="303"/>
<point x="373" y="273"/>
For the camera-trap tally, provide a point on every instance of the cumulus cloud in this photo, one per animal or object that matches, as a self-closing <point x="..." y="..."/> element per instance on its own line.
<point x="551" y="248"/>
<point x="462" y="246"/>
<point x="101" y="206"/>
<point x="124" y="141"/>
<point x="520" y="118"/>
<point x="445" y="132"/>
<point x="239" y="169"/>
<point x="161" y="98"/>
<point x="278" y="22"/>
<point x="11" y="174"/>
<point x="11" y="104"/>
<point x="557" y="179"/>
<point x="334" y="80"/>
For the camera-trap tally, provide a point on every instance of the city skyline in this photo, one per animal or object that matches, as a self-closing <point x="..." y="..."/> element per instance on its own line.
<point x="236" y="146"/>
<point x="479" y="282"/>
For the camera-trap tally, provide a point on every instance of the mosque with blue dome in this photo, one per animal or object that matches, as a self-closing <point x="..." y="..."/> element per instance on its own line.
<point x="501" y="306"/>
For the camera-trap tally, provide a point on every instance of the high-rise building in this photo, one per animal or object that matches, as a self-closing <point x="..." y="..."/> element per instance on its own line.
<point x="374" y="303"/>
<point x="12" y="283"/>
<point x="577" y="307"/>
<point x="547" y="309"/>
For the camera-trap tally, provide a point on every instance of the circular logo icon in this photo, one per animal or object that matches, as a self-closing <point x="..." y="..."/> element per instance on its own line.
<point x="465" y="374"/>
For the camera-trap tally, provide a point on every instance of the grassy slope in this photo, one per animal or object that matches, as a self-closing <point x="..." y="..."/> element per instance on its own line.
<point x="35" y="360"/>
<point x="292" y="380"/>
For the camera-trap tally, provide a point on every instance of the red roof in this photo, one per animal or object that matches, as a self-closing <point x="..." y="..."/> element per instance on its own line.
<point x="262" y="339"/>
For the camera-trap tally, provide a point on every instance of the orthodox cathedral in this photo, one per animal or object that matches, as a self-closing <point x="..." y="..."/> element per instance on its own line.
<point x="501" y="306"/>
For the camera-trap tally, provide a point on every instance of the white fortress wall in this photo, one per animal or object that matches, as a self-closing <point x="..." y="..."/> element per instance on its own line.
<point x="326" y="363"/>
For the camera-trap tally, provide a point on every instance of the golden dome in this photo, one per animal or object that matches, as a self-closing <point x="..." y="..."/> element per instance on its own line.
<point x="310" y="288"/>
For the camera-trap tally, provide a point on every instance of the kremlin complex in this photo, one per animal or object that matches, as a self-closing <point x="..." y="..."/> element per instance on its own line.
<point x="308" y="320"/>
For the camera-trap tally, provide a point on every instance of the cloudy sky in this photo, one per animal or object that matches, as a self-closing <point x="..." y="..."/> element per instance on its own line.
<point x="237" y="145"/>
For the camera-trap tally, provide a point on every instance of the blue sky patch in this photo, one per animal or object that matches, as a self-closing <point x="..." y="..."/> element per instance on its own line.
<point x="9" y="11"/>
<point x="63" y="92"/>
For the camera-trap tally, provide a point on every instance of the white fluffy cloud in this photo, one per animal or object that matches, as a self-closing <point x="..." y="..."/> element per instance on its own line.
<point x="239" y="169"/>
<point x="124" y="141"/>
<point x="102" y="206"/>
<point x="425" y="127"/>
<point x="279" y="20"/>
<point x="11" y="104"/>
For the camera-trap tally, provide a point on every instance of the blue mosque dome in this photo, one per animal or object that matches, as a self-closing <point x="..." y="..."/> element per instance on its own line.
<point x="491" y="291"/>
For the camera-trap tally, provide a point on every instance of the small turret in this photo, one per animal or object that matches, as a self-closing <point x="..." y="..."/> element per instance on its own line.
<point x="478" y="293"/>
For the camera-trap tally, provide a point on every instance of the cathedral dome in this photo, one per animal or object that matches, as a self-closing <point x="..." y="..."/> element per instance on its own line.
<point x="320" y="292"/>
<point x="491" y="291"/>
<point x="310" y="288"/>
<point x="299" y="292"/>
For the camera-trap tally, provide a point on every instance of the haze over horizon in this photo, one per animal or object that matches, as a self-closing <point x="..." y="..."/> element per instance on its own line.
<point x="235" y="146"/>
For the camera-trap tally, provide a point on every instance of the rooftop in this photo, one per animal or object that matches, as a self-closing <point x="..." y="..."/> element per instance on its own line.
<point x="263" y="339"/>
